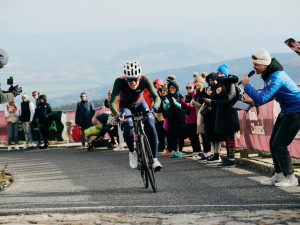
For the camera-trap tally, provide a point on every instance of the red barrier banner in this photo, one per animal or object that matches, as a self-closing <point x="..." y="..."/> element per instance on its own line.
<point x="3" y="129"/>
<point x="256" y="128"/>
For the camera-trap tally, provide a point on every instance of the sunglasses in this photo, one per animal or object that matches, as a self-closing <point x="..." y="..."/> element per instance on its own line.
<point x="135" y="79"/>
<point x="160" y="89"/>
<point x="34" y="94"/>
<point x="170" y="78"/>
<point x="188" y="87"/>
<point x="254" y="57"/>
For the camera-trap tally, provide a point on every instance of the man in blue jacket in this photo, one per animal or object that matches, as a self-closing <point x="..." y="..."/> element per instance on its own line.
<point x="283" y="89"/>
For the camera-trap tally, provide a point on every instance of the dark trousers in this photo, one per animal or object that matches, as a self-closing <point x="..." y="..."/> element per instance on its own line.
<point x="149" y="126"/>
<point x="206" y="143"/>
<point x="161" y="134"/>
<point x="285" y="129"/>
<point x="44" y="128"/>
<point x="194" y="137"/>
<point x="173" y="141"/>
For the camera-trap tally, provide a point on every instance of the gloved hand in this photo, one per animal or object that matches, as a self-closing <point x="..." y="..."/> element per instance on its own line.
<point x="188" y="98"/>
<point x="154" y="108"/>
<point x="120" y="117"/>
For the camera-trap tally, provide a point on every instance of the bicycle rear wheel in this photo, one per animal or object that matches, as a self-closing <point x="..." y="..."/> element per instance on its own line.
<point x="147" y="156"/>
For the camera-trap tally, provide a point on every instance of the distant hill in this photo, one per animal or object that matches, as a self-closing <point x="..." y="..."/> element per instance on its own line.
<point x="239" y="67"/>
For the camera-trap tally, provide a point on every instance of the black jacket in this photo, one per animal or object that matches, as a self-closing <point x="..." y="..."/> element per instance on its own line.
<point x="84" y="113"/>
<point x="43" y="111"/>
<point x="227" y="121"/>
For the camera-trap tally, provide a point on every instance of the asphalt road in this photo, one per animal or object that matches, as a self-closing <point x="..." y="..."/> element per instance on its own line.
<point x="74" y="180"/>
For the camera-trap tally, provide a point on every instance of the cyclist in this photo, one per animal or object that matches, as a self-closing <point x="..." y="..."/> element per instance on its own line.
<point x="130" y="87"/>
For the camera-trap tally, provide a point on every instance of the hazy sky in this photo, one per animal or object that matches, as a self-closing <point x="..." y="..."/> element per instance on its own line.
<point x="268" y="22"/>
<point x="227" y="28"/>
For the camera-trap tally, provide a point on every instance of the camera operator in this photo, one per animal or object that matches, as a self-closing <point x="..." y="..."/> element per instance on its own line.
<point x="13" y="91"/>
<point x="284" y="90"/>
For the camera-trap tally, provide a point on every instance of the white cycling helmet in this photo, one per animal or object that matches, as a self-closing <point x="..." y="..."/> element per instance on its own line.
<point x="132" y="69"/>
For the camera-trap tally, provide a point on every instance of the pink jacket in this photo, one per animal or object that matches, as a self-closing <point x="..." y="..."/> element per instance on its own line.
<point x="190" y="118"/>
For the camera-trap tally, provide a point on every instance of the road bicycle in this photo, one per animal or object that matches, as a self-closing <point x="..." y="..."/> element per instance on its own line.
<point x="143" y="149"/>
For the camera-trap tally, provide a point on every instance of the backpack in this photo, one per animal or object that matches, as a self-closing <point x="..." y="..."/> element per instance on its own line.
<point x="76" y="133"/>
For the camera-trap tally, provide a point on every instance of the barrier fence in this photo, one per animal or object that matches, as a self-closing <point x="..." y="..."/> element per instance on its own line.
<point x="255" y="128"/>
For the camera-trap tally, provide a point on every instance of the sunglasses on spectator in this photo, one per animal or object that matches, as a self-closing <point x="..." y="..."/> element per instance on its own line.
<point x="188" y="87"/>
<point x="135" y="79"/>
<point x="160" y="89"/>
<point x="34" y="94"/>
<point x="170" y="78"/>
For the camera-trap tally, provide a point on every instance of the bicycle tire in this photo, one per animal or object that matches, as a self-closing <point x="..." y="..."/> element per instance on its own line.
<point x="142" y="167"/>
<point x="147" y="157"/>
<point x="144" y="177"/>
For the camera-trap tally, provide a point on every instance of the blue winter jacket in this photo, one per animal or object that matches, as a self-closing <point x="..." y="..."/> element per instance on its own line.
<point x="280" y="87"/>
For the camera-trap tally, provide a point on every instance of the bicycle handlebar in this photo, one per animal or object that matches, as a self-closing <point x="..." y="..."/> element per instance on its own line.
<point x="139" y="114"/>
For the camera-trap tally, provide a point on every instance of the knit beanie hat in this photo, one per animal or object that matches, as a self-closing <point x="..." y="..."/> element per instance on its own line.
<point x="223" y="69"/>
<point x="25" y="96"/>
<point x="199" y="78"/>
<point x="3" y="58"/>
<point x="262" y="57"/>
<point x="191" y="84"/>
<point x="158" y="81"/>
<point x="171" y="77"/>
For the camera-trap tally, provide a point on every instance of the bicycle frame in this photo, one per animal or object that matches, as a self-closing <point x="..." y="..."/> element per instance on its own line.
<point x="144" y="152"/>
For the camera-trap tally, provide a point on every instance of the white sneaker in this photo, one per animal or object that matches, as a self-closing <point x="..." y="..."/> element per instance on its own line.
<point x="9" y="148"/>
<point x="25" y="147"/>
<point x="16" y="147"/>
<point x="271" y="181"/>
<point x="31" y="145"/>
<point x="286" y="182"/>
<point x="133" y="162"/>
<point x="157" y="165"/>
<point x="119" y="148"/>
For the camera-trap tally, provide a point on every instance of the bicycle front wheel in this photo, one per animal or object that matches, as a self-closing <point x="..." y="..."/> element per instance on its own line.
<point x="148" y="160"/>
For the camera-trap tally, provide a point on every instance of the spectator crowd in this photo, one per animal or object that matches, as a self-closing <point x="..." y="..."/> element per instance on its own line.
<point x="205" y="113"/>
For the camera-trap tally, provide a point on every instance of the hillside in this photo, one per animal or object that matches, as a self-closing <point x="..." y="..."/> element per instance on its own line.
<point x="239" y="67"/>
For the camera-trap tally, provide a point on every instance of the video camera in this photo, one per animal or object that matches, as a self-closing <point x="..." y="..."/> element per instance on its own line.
<point x="16" y="90"/>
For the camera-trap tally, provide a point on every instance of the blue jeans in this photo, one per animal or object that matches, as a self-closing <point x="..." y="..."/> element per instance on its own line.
<point x="149" y="126"/>
<point x="27" y="133"/>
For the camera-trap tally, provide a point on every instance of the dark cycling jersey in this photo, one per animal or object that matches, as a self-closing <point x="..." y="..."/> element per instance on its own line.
<point x="131" y="97"/>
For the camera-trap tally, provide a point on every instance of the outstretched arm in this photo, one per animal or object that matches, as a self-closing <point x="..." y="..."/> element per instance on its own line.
<point x="114" y="97"/>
